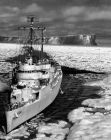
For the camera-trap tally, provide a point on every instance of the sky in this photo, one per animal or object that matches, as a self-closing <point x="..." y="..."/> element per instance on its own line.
<point x="61" y="17"/>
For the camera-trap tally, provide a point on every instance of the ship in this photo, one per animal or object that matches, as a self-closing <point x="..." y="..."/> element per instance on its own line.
<point x="35" y="84"/>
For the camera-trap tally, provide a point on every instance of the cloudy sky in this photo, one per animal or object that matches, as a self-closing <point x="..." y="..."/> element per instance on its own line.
<point x="61" y="17"/>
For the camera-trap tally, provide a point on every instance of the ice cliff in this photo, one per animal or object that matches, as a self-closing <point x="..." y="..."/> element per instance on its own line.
<point x="59" y="40"/>
<point x="72" y="40"/>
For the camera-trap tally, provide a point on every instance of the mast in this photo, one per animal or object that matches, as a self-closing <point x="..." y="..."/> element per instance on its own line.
<point x="42" y="29"/>
<point x="31" y="35"/>
<point x="31" y="32"/>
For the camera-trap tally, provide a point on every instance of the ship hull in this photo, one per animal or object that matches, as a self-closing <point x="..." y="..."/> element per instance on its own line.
<point x="47" y="95"/>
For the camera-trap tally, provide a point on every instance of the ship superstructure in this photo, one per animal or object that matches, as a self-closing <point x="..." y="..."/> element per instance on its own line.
<point x="35" y="84"/>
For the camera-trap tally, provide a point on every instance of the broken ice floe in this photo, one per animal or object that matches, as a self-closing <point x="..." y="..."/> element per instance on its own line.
<point x="94" y="120"/>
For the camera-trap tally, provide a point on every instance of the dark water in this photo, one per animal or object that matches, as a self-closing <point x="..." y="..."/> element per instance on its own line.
<point x="74" y="92"/>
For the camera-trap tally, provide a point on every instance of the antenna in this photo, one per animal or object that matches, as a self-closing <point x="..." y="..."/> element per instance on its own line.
<point x="31" y="19"/>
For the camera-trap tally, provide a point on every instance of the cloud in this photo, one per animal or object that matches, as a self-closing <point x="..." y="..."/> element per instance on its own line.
<point x="74" y="14"/>
<point x="62" y="15"/>
<point x="101" y="14"/>
<point x="22" y="19"/>
<point x="71" y="19"/>
<point x="73" y="11"/>
<point x="8" y="13"/>
<point x="9" y="9"/>
<point x="46" y="19"/>
<point x="33" y="8"/>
